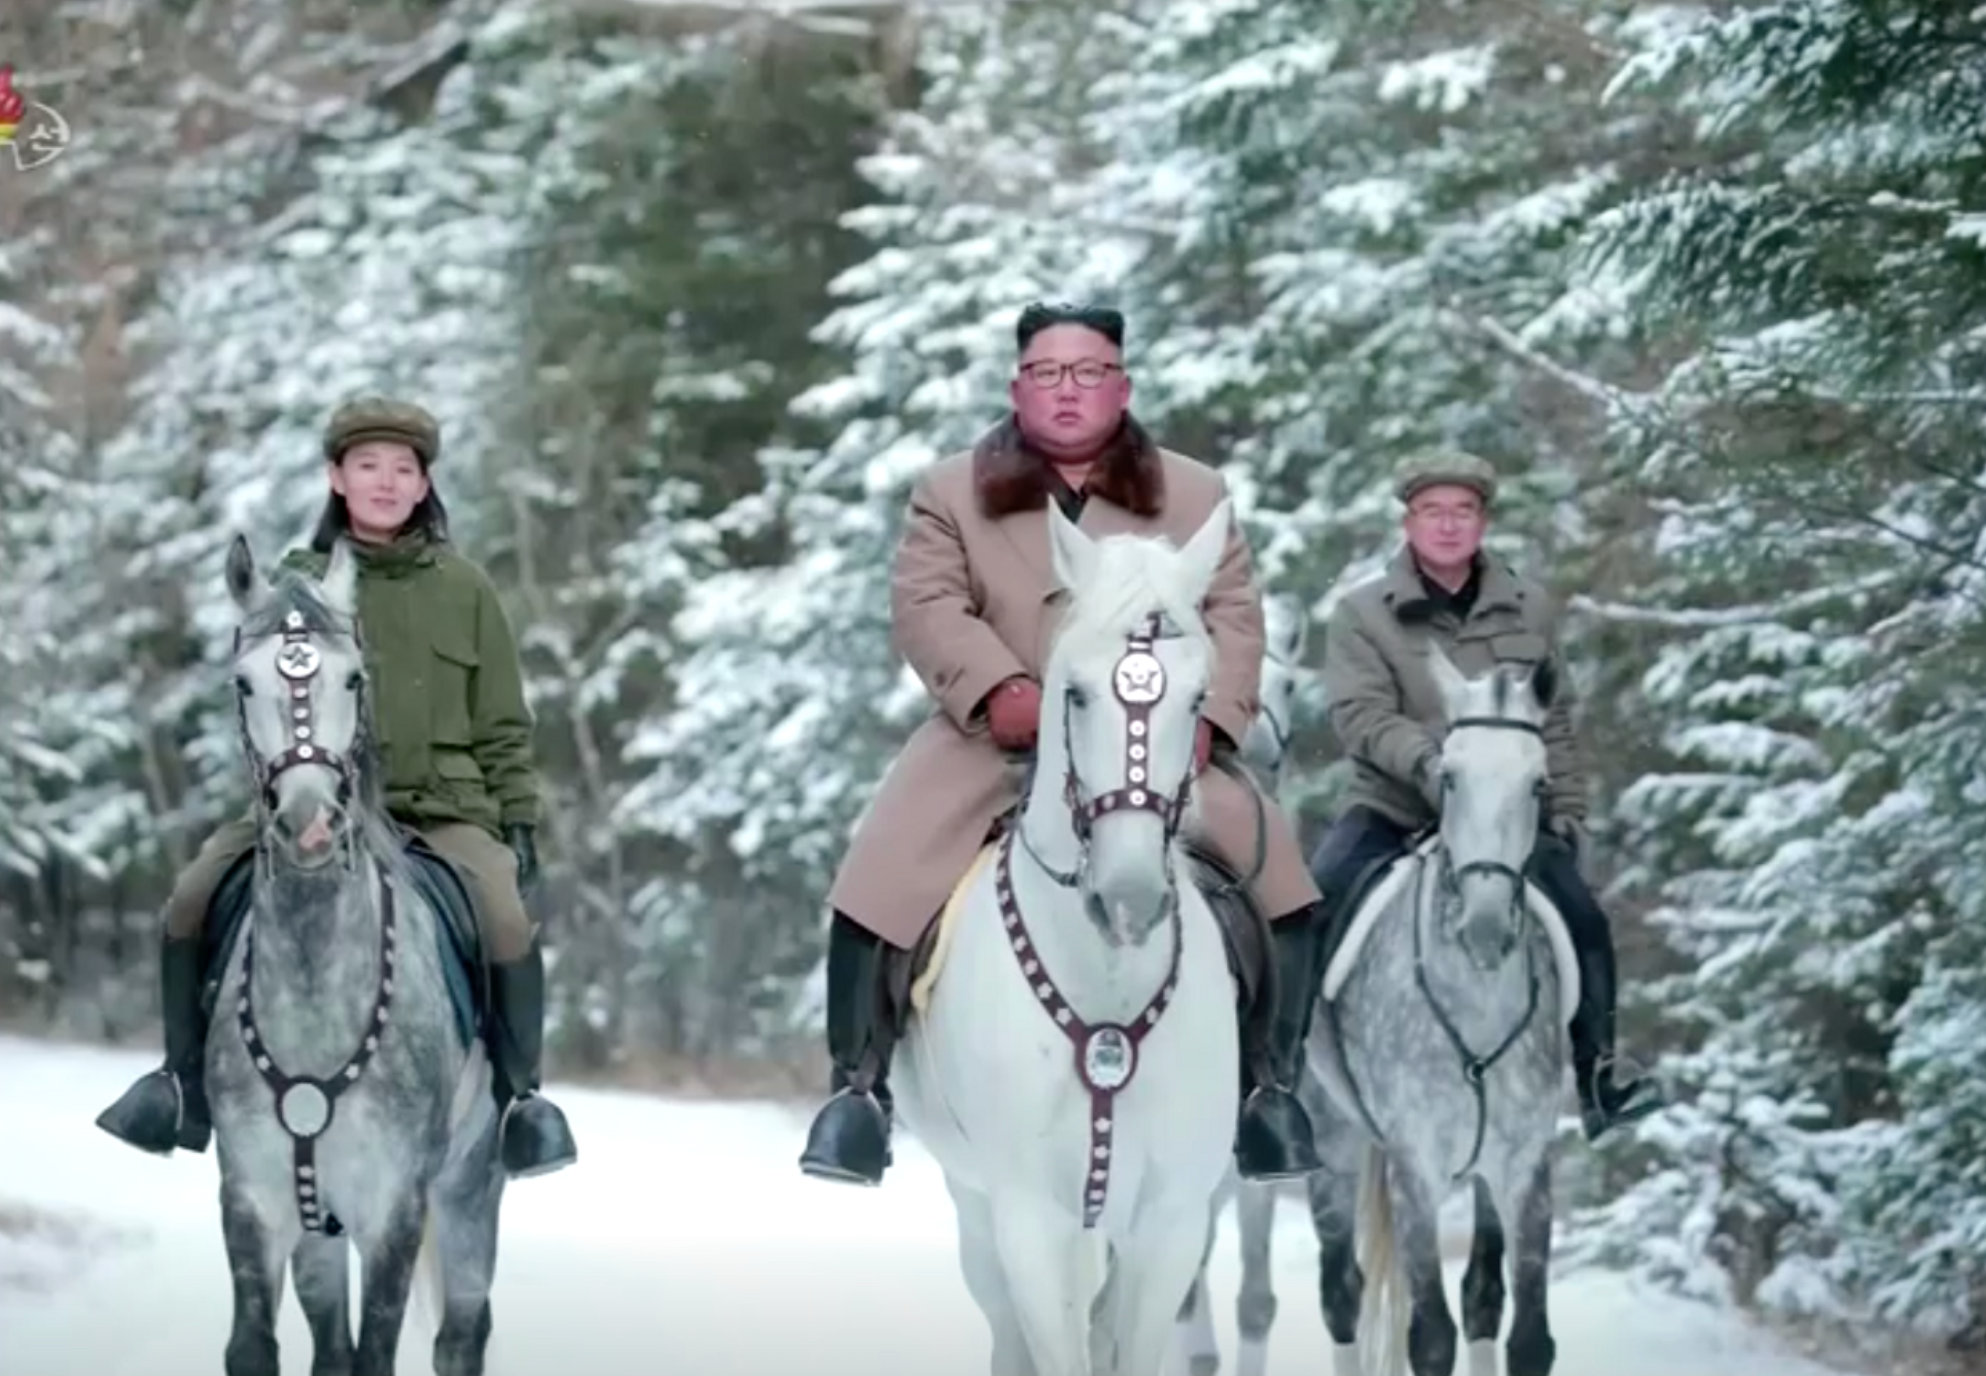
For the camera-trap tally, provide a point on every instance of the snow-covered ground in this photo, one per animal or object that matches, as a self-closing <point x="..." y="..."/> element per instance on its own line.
<point x="685" y="1242"/>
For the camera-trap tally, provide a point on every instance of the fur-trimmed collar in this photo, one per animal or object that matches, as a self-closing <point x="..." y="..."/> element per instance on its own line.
<point x="1010" y="477"/>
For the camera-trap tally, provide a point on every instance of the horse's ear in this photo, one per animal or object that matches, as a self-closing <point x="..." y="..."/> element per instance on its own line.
<point x="1448" y="680"/>
<point x="1544" y="682"/>
<point x="1074" y="552"/>
<point x="1201" y="558"/>
<point x="240" y="571"/>
<point x="340" y="581"/>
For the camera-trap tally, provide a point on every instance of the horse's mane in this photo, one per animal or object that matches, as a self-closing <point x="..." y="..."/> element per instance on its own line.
<point x="1131" y="580"/>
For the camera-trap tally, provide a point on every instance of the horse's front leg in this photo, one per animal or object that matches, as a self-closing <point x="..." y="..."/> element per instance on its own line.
<point x="257" y="1257"/>
<point x="1531" y="1349"/>
<point x="1154" y="1265"/>
<point x="1199" y="1346"/>
<point x="1255" y="1306"/>
<point x="387" y="1258"/>
<point x="1340" y="1285"/>
<point x="1417" y="1222"/>
<point x="1045" y="1259"/>
<point x="1482" y="1286"/>
<point x="322" y="1267"/>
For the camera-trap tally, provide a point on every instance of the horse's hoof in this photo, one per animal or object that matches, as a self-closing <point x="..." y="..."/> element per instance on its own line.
<point x="147" y="1115"/>
<point x="849" y="1142"/>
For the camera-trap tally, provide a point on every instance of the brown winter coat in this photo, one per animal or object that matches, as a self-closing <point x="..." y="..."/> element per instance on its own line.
<point x="1385" y="708"/>
<point x="975" y="600"/>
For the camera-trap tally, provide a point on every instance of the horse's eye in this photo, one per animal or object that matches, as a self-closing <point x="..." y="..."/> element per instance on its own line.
<point x="352" y="683"/>
<point x="241" y="686"/>
<point x="1078" y="699"/>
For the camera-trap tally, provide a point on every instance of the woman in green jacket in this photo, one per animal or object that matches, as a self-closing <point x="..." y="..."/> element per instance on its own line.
<point x="448" y="696"/>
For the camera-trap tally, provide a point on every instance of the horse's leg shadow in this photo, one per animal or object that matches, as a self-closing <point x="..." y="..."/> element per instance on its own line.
<point x="1255" y="1306"/>
<point x="386" y="1268"/>
<point x="464" y="1235"/>
<point x="979" y="1260"/>
<point x="1199" y="1347"/>
<point x="322" y="1267"/>
<point x="1483" y="1286"/>
<point x="1531" y="1349"/>
<point x="257" y="1258"/>
<point x="1340" y="1286"/>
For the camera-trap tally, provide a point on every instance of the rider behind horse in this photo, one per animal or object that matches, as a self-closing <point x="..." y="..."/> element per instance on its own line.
<point x="455" y="735"/>
<point x="1387" y="716"/>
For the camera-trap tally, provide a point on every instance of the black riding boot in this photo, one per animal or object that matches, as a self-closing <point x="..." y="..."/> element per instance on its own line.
<point x="850" y="1137"/>
<point x="1275" y="1140"/>
<point x="168" y="1107"/>
<point x="536" y="1139"/>
<point x="1602" y="1103"/>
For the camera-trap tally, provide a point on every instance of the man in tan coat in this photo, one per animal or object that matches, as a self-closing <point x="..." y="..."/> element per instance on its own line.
<point x="1386" y="712"/>
<point x="974" y="608"/>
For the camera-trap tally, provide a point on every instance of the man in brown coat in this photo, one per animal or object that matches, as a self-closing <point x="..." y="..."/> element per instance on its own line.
<point x="1386" y="712"/>
<point x="974" y="608"/>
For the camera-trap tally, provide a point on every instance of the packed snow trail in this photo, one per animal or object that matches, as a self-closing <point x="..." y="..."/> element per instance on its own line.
<point x="685" y="1241"/>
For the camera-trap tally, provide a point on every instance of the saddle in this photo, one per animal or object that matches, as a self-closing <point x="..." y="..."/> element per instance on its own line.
<point x="458" y="938"/>
<point x="1244" y="931"/>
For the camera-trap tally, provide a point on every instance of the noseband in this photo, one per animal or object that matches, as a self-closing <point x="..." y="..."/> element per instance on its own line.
<point x="1139" y="684"/>
<point x="298" y="661"/>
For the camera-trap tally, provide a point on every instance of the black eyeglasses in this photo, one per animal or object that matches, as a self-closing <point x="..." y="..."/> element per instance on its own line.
<point x="1088" y="374"/>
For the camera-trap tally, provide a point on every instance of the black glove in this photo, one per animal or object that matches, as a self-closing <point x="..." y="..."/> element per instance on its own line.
<point x="525" y="847"/>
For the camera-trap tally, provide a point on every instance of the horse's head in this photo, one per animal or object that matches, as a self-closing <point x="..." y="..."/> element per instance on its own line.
<point x="1121" y="700"/>
<point x="1492" y="783"/>
<point x="299" y="681"/>
<point x="1266" y="747"/>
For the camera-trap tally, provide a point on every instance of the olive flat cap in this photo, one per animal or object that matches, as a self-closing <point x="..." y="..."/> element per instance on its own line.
<point x="383" y="418"/>
<point x="1444" y="467"/>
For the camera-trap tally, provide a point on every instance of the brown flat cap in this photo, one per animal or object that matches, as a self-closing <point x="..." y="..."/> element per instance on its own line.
<point x="383" y="418"/>
<point x="1443" y="468"/>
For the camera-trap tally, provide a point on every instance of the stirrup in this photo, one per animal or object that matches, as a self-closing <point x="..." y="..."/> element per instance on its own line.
<point x="849" y="1151"/>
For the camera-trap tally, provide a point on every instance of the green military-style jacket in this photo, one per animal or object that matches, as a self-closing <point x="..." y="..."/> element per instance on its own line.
<point x="447" y="687"/>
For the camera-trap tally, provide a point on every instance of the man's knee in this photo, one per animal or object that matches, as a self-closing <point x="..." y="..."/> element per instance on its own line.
<point x="193" y="892"/>
<point x="489" y="869"/>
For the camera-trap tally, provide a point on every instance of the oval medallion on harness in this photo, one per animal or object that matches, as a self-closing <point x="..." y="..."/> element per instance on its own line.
<point x="304" y="1109"/>
<point x="297" y="660"/>
<point x="1140" y="678"/>
<point x="1109" y="1059"/>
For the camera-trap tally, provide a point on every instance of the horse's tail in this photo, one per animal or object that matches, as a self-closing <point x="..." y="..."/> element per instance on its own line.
<point x="1386" y="1307"/>
<point x="430" y="1296"/>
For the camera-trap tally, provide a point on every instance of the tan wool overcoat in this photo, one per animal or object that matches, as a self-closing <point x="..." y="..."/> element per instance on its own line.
<point x="1385" y="708"/>
<point x="974" y="601"/>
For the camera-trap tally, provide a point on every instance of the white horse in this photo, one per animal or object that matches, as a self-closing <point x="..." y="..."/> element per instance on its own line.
<point x="1074" y="1070"/>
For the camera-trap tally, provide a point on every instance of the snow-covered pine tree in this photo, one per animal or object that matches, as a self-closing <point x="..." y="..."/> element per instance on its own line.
<point x="1818" y="455"/>
<point x="789" y="699"/>
<point x="1373" y="203"/>
<point x="681" y="227"/>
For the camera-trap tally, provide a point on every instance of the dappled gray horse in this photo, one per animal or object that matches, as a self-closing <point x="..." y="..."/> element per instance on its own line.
<point x="1440" y="1041"/>
<point x="349" y="1108"/>
<point x="1263" y="754"/>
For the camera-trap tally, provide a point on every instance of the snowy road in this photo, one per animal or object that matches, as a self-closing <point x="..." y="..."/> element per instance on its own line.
<point x="686" y="1242"/>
